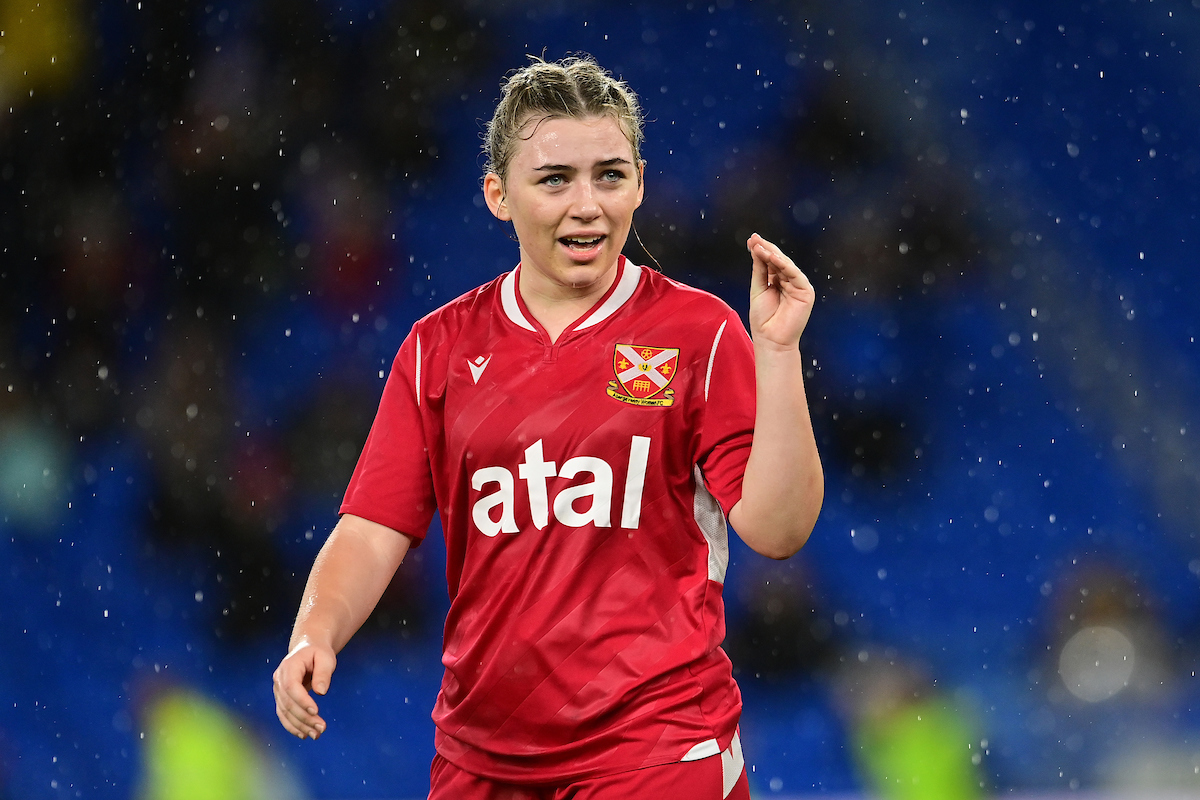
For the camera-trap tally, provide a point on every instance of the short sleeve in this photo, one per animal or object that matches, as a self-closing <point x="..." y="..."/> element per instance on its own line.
<point x="392" y="483"/>
<point x="727" y="430"/>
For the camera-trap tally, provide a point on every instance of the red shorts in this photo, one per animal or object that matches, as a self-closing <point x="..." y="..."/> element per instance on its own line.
<point x="717" y="777"/>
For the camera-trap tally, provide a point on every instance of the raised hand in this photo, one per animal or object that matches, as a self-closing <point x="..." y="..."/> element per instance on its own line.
<point x="781" y="297"/>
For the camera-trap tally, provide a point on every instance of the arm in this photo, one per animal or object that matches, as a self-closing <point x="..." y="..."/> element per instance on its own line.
<point x="348" y="577"/>
<point x="783" y="485"/>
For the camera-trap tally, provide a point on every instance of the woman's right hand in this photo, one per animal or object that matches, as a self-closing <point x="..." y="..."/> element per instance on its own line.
<point x="308" y="667"/>
<point x="355" y="565"/>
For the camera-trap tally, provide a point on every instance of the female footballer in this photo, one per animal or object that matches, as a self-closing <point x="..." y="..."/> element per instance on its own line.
<point x="585" y="427"/>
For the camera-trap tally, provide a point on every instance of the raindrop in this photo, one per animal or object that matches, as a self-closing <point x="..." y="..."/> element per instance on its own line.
<point x="806" y="211"/>
<point x="865" y="539"/>
<point x="1096" y="663"/>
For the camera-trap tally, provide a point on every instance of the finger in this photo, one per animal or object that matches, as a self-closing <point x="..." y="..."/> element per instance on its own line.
<point x="285" y="718"/>
<point x="759" y="270"/>
<point x="759" y="250"/>
<point x="299" y="702"/>
<point x="310" y="726"/>
<point x="788" y="273"/>
<point x="298" y="719"/>
<point x="291" y="724"/>
<point x="290" y="689"/>
<point x="779" y="264"/>
<point x="777" y="270"/>
<point x="770" y="254"/>
<point x="286" y="712"/>
<point x="294" y="718"/>
<point x="294" y="703"/>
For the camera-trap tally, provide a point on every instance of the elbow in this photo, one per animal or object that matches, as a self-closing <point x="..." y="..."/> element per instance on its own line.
<point x="780" y="555"/>
<point x="778" y="528"/>
<point x="791" y="534"/>
<point x="779" y="540"/>
<point x="784" y="544"/>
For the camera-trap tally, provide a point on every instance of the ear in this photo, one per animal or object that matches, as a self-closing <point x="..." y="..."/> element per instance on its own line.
<point x="493" y="195"/>
<point x="641" y="182"/>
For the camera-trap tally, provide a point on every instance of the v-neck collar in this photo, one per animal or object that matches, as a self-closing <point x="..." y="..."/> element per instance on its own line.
<point x="617" y="295"/>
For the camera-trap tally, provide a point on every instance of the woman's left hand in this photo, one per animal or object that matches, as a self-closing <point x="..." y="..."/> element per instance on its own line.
<point x="781" y="297"/>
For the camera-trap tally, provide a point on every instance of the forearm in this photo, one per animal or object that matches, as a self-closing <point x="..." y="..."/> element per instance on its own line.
<point x="783" y="486"/>
<point x="348" y="577"/>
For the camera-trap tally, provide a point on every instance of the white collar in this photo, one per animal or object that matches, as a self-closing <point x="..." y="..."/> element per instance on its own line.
<point x="631" y="276"/>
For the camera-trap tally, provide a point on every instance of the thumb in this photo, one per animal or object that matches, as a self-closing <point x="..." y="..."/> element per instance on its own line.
<point x="323" y="667"/>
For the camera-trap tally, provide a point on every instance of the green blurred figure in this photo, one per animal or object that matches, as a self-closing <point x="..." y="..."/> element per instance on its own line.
<point x="910" y="742"/>
<point x="195" y="749"/>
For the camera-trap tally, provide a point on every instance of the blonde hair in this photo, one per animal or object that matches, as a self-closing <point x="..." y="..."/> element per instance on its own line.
<point x="575" y="87"/>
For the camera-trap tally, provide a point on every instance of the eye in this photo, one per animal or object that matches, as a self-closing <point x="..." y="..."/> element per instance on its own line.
<point x="554" y="181"/>
<point x="612" y="175"/>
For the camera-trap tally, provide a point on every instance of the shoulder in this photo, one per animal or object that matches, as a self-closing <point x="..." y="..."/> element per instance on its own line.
<point x="451" y="317"/>
<point x="434" y="336"/>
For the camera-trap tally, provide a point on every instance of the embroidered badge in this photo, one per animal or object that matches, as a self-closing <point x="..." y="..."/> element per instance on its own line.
<point x="644" y="375"/>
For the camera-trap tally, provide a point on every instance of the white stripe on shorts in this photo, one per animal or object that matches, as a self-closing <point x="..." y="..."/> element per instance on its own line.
<point x="732" y="765"/>
<point x="708" y="747"/>
<point x="732" y="762"/>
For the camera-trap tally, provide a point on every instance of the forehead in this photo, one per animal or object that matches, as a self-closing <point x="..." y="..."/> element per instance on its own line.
<point x="571" y="141"/>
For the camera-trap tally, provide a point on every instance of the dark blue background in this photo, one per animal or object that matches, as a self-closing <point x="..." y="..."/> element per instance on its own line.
<point x="1062" y="137"/>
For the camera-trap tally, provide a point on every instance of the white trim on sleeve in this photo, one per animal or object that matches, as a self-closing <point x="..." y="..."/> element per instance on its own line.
<point x="712" y="356"/>
<point x="418" y="371"/>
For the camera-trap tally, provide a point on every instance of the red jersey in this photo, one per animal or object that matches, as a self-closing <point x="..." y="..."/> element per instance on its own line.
<point x="583" y="487"/>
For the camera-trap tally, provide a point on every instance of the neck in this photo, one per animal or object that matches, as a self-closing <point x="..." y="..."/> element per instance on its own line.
<point x="557" y="306"/>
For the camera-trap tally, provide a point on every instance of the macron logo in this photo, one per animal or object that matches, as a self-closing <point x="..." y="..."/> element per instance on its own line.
<point x="478" y="365"/>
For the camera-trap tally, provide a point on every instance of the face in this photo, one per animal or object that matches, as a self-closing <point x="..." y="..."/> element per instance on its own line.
<point x="570" y="194"/>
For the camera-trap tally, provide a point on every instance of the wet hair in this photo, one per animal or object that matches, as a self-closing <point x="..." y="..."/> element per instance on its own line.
<point x="575" y="87"/>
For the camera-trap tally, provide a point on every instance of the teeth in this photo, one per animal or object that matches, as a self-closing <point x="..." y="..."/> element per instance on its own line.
<point x="583" y="242"/>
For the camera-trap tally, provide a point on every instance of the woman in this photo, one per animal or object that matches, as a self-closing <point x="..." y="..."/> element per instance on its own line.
<point x="584" y="426"/>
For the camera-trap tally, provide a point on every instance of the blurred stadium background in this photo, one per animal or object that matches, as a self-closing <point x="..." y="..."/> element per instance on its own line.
<point x="218" y="220"/>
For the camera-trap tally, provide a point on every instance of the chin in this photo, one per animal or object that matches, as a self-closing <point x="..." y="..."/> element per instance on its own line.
<point x="581" y="275"/>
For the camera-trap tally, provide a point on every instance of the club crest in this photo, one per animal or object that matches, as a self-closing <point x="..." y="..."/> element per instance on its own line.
<point x="644" y="374"/>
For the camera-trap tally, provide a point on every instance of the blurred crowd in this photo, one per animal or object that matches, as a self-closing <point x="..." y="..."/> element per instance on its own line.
<point x="180" y="179"/>
<point x="177" y="181"/>
<point x="205" y="268"/>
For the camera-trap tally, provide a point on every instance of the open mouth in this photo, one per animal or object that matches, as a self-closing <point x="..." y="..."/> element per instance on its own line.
<point x="582" y="244"/>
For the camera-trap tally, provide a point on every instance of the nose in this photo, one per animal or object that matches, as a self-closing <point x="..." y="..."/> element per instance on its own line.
<point x="585" y="207"/>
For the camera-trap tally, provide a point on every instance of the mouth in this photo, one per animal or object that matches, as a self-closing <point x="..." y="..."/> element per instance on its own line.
<point x="582" y="244"/>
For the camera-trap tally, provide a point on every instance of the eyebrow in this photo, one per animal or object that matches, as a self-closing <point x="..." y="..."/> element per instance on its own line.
<point x="568" y="168"/>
